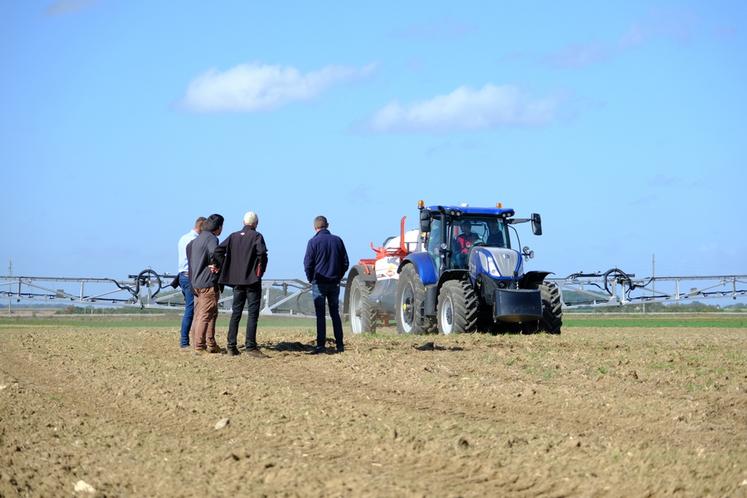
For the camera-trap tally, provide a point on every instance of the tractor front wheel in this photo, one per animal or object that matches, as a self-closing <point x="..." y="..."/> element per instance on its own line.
<point x="410" y="297"/>
<point x="362" y="315"/>
<point x="552" y="308"/>
<point x="457" y="307"/>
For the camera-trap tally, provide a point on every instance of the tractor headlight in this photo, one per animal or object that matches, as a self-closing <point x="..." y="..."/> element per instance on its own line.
<point x="488" y="263"/>
<point x="493" y="268"/>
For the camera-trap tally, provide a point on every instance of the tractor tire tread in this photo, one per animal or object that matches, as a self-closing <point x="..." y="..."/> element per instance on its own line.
<point x="421" y="324"/>
<point x="552" y="308"/>
<point x="465" y="303"/>
<point x="368" y="314"/>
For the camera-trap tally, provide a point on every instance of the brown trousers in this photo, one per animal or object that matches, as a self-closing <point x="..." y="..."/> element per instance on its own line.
<point x="206" y="312"/>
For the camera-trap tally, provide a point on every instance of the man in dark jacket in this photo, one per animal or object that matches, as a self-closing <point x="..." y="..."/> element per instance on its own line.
<point x="242" y="258"/>
<point x="325" y="263"/>
<point x="203" y="277"/>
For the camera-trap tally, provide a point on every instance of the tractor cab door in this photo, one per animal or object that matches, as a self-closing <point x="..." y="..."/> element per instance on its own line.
<point x="435" y="238"/>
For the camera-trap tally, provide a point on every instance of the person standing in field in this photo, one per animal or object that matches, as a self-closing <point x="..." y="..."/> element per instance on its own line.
<point x="184" y="285"/>
<point x="242" y="259"/>
<point x="203" y="277"/>
<point x="325" y="264"/>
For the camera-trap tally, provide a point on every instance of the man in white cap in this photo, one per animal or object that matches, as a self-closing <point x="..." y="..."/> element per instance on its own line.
<point x="242" y="258"/>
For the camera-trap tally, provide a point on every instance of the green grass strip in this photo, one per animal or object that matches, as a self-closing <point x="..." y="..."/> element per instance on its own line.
<point x="658" y="322"/>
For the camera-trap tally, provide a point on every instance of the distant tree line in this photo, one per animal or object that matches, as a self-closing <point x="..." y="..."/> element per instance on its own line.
<point x="690" y="307"/>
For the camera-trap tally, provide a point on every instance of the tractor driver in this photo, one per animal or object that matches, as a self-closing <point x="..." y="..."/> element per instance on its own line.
<point x="495" y="234"/>
<point x="465" y="241"/>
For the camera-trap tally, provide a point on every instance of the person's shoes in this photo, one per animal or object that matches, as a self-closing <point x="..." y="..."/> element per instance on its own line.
<point x="199" y="351"/>
<point x="317" y="351"/>
<point x="185" y="349"/>
<point x="233" y="352"/>
<point x="255" y="353"/>
<point x="215" y="349"/>
<point x="341" y="349"/>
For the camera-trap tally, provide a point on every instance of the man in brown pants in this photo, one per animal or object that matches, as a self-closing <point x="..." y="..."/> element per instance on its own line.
<point x="203" y="277"/>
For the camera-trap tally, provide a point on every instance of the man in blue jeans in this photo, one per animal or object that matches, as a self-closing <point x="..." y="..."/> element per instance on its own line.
<point x="325" y="263"/>
<point x="189" y="298"/>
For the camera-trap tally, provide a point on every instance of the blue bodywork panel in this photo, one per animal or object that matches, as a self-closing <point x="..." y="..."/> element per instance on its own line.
<point x="424" y="265"/>
<point x="473" y="210"/>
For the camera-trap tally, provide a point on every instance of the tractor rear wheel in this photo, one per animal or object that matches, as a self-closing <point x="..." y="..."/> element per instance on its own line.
<point x="362" y="314"/>
<point x="410" y="297"/>
<point x="552" y="308"/>
<point x="457" y="307"/>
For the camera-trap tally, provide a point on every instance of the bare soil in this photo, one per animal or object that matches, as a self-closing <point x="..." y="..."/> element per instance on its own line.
<point x="593" y="412"/>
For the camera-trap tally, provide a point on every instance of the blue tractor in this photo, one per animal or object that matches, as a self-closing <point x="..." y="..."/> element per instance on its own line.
<point x="460" y="272"/>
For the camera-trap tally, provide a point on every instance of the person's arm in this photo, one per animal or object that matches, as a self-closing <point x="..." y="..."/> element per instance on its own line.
<point x="188" y="250"/>
<point x="219" y="256"/>
<point x="212" y="245"/>
<point x="261" y="256"/>
<point x="345" y="261"/>
<point x="309" y="262"/>
<point x="462" y="242"/>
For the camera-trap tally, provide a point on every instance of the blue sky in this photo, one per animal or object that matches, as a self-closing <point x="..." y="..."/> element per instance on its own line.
<point x="623" y="125"/>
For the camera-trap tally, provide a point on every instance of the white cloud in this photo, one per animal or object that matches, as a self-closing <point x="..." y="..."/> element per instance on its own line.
<point x="466" y="109"/>
<point x="258" y="87"/>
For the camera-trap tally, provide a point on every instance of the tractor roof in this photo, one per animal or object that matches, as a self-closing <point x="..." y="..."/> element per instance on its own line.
<point x="474" y="210"/>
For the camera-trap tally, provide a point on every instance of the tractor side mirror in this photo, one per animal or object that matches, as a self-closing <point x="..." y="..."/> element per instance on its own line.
<point x="425" y="221"/>
<point x="536" y="224"/>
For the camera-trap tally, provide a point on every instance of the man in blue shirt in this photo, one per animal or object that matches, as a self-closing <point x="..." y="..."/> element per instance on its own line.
<point x="183" y="272"/>
<point x="325" y="263"/>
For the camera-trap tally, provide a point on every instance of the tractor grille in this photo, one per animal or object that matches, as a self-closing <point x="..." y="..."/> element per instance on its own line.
<point x="505" y="260"/>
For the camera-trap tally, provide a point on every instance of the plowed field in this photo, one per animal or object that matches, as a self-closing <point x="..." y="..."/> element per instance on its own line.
<point x="597" y="411"/>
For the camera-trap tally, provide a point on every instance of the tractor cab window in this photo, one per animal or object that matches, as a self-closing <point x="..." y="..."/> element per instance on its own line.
<point x="496" y="236"/>
<point x="463" y="238"/>
<point x="468" y="232"/>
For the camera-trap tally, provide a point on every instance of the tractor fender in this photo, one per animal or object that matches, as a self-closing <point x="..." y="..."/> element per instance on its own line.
<point x="356" y="271"/>
<point x="532" y="279"/>
<point x="452" y="275"/>
<point x="423" y="265"/>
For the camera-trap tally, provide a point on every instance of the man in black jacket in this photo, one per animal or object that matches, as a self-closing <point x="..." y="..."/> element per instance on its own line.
<point x="325" y="263"/>
<point x="242" y="258"/>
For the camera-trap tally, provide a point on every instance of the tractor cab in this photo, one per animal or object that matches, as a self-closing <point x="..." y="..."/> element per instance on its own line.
<point x="450" y="232"/>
